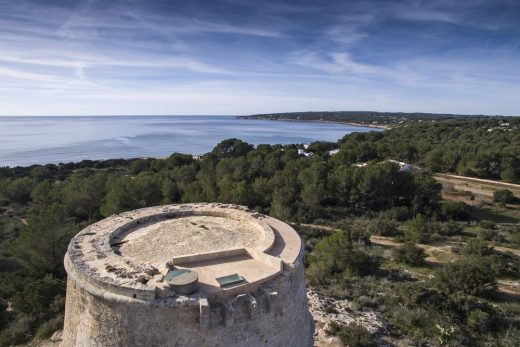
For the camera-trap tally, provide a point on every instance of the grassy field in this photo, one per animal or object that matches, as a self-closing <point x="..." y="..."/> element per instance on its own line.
<point x="481" y="190"/>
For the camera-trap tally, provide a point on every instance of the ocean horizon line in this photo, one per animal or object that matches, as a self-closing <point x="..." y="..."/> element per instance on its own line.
<point x="124" y="115"/>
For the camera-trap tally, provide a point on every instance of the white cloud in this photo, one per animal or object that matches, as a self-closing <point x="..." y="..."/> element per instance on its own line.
<point x="13" y="73"/>
<point x="332" y="63"/>
<point x="79" y="72"/>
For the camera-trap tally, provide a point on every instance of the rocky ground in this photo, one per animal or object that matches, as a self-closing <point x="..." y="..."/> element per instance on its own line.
<point x="326" y="310"/>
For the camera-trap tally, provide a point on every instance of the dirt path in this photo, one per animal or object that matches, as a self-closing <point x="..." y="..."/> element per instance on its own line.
<point x="511" y="289"/>
<point x="429" y="249"/>
<point x="508" y="250"/>
<point x="496" y="183"/>
<point x="390" y="242"/>
<point x="481" y="189"/>
<point x="445" y="247"/>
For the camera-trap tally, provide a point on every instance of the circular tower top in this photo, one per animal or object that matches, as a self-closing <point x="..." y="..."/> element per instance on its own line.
<point x="212" y="251"/>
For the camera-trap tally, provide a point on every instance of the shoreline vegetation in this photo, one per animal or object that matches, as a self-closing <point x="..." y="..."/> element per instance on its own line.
<point x="383" y="127"/>
<point x="431" y="261"/>
<point x="371" y="119"/>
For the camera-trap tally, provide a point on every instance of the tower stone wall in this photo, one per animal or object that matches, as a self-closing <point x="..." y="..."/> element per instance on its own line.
<point x="114" y="300"/>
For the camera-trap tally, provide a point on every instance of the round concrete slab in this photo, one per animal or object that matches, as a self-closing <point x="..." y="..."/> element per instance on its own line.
<point x="182" y="281"/>
<point x="156" y="243"/>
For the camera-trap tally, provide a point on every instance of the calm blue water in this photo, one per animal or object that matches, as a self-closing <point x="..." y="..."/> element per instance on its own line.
<point x="41" y="140"/>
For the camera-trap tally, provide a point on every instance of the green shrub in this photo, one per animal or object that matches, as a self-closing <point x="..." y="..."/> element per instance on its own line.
<point x="503" y="196"/>
<point x="399" y="214"/>
<point x="336" y="254"/>
<point x="4" y="314"/>
<point x="38" y="296"/>
<point x="450" y="228"/>
<point x="487" y="224"/>
<point x="436" y="230"/>
<point x="16" y="332"/>
<point x="477" y="247"/>
<point x="361" y="263"/>
<point x="383" y="227"/>
<point x="509" y="174"/>
<point x="318" y="272"/>
<point x="479" y="320"/>
<point x="18" y="190"/>
<point x="410" y="254"/>
<point x="330" y="309"/>
<point x="137" y="166"/>
<point x="469" y="275"/>
<point x="417" y="230"/>
<point x="487" y="234"/>
<point x="354" y="335"/>
<point x="359" y="237"/>
<point x="333" y="328"/>
<point x="49" y="327"/>
<point x="506" y="264"/>
<point x="515" y="236"/>
<point x="455" y="210"/>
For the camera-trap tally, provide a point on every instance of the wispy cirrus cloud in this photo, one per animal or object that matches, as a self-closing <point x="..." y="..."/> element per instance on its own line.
<point x="76" y="60"/>
<point x="12" y="73"/>
<point x="17" y="80"/>
<point x="331" y="62"/>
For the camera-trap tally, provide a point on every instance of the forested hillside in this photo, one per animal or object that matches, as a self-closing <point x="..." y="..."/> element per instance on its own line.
<point x="485" y="148"/>
<point x="361" y="117"/>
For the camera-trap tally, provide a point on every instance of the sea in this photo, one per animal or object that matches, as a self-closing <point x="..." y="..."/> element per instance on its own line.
<point x="44" y="140"/>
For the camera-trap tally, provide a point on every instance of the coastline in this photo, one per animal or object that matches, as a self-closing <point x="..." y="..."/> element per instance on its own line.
<point x="383" y="127"/>
<point x="105" y="138"/>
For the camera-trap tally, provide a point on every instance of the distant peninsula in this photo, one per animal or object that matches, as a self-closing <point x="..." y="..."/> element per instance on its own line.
<point x="373" y="119"/>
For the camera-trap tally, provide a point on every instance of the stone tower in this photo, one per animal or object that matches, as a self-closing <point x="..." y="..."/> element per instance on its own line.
<point x="186" y="275"/>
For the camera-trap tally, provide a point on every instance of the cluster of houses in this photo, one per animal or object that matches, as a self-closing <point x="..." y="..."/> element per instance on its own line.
<point x="305" y="151"/>
<point x="402" y="165"/>
<point x="503" y="127"/>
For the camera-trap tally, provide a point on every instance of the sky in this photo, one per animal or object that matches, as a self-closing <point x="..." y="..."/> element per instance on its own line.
<point x="236" y="57"/>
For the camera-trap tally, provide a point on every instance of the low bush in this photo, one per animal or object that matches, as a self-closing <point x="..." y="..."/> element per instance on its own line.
<point x="410" y="254"/>
<point x="49" y="327"/>
<point x="438" y="230"/>
<point x="503" y="196"/>
<point x="399" y="214"/>
<point x="336" y="255"/>
<point x="383" y="227"/>
<point x="468" y="275"/>
<point x="17" y="331"/>
<point x="476" y="247"/>
<point x="417" y="230"/>
<point x="487" y="224"/>
<point x="333" y="328"/>
<point x="488" y="234"/>
<point x="454" y="210"/>
<point x="354" y="335"/>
